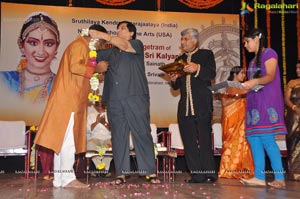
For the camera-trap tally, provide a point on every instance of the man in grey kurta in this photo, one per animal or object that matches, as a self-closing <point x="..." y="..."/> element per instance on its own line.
<point x="126" y="95"/>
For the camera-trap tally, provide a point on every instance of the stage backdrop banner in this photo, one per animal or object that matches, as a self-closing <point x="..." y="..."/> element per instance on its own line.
<point x="159" y="31"/>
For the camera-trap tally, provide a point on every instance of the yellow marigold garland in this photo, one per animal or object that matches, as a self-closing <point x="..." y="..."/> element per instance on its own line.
<point x="283" y="44"/>
<point x="93" y="95"/>
<point x="101" y="166"/>
<point x="101" y="152"/>
<point x="32" y="153"/>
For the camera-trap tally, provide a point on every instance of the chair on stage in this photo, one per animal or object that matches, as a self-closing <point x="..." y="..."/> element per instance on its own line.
<point x="171" y="139"/>
<point x="176" y="141"/>
<point x="217" y="139"/>
<point x="15" y="141"/>
<point x="281" y="142"/>
<point x="90" y="154"/>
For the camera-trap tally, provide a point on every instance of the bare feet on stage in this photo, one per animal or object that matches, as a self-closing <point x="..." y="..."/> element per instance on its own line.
<point x="253" y="182"/>
<point x="278" y="184"/>
<point x="48" y="177"/>
<point x="77" y="185"/>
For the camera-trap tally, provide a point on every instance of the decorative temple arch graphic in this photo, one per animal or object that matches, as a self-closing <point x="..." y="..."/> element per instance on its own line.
<point x="224" y="40"/>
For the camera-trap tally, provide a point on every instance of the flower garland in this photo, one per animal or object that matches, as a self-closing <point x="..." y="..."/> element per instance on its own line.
<point x="93" y="95"/>
<point x="155" y="150"/>
<point x="101" y="152"/>
<point x="101" y="149"/>
<point x="32" y="157"/>
<point x="283" y="44"/>
<point x="32" y="153"/>
<point x="283" y="36"/>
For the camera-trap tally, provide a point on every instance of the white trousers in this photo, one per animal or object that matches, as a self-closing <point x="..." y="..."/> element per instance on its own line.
<point x="64" y="161"/>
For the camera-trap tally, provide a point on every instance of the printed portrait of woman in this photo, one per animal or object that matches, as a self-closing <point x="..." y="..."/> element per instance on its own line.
<point x="38" y="43"/>
<point x="31" y="81"/>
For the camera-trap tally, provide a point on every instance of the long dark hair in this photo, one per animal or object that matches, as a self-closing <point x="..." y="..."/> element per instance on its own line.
<point x="234" y="70"/>
<point x="262" y="40"/>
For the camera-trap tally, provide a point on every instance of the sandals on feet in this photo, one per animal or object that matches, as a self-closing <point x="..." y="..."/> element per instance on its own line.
<point x="118" y="181"/>
<point x="153" y="179"/>
<point x="278" y="184"/>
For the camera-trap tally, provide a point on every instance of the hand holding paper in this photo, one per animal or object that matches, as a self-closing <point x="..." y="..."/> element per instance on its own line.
<point x="216" y="87"/>
<point x="175" y="67"/>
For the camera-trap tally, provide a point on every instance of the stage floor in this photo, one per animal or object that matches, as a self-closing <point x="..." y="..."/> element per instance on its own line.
<point x="13" y="185"/>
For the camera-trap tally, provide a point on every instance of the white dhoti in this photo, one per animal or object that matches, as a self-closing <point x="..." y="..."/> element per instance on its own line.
<point x="64" y="161"/>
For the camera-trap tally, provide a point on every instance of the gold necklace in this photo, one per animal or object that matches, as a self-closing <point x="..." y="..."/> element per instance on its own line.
<point x="37" y="75"/>
<point x="44" y="91"/>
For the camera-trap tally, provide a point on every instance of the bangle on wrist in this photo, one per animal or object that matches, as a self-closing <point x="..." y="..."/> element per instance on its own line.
<point x="294" y="107"/>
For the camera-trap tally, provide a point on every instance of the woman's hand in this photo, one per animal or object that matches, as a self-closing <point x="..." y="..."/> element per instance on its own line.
<point x="98" y="35"/>
<point x="250" y="84"/>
